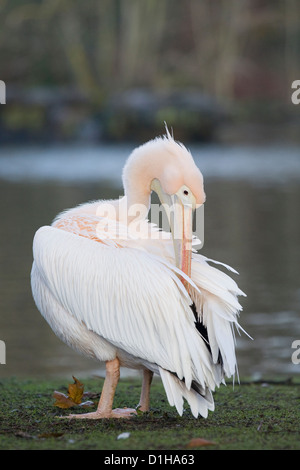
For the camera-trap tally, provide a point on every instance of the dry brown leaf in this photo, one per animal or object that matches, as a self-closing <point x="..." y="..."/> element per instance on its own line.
<point x="74" y="397"/>
<point x="47" y="435"/>
<point x="24" y="435"/>
<point x="75" y="391"/>
<point x="199" y="442"/>
<point x="62" y="400"/>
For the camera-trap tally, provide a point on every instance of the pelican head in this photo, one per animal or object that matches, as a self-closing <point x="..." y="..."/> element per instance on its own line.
<point x="167" y="167"/>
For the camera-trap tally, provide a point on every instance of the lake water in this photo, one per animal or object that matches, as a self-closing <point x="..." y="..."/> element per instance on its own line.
<point x="252" y="222"/>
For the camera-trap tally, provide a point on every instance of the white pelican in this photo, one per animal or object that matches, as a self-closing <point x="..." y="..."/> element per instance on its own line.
<point x="116" y="289"/>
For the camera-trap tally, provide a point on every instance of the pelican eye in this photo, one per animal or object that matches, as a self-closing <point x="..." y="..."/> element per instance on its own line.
<point x="185" y="192"/>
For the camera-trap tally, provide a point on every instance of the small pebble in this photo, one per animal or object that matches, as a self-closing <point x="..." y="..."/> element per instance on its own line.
<point x="124" y="435"/>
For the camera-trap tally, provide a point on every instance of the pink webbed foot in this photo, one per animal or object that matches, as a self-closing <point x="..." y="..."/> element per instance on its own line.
<point x="116" y="413"/>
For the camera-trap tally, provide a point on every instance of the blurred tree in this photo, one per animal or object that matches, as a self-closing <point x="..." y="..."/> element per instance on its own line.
<point x="292" y="41"/>
<point x="113" y="44"/>
<point x="238" y="51"/>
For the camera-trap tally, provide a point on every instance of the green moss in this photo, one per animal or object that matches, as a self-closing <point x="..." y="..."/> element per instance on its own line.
<point x="250" y="416"/>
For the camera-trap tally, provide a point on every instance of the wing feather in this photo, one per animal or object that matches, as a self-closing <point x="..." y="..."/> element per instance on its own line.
<point x="218" y="309"/>
<point x="127" y="296"/>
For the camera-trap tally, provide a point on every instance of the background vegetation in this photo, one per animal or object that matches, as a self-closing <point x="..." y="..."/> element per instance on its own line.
<point x="118" y="68"/>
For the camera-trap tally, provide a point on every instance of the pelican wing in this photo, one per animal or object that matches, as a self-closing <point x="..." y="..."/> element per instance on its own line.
<point x="131" y="298"/>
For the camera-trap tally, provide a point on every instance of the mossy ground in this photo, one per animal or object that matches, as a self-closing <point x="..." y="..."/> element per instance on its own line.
<point x="252" y="415"/>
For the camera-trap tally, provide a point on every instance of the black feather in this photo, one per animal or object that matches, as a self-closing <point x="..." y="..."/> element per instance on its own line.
<point x="203" y="332"/>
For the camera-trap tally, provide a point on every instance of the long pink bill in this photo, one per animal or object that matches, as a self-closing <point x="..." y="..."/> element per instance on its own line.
<point x="182" y="235"/>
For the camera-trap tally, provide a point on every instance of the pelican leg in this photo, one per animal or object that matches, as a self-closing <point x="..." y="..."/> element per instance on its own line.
<point x="145" y="393"/>
<point x="104" y="409"/>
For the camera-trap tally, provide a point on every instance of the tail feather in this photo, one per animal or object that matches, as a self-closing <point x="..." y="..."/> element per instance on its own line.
<point x="174" y="394"/>
<point x="176" y="391"/>
<point x="218" y="309"/>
